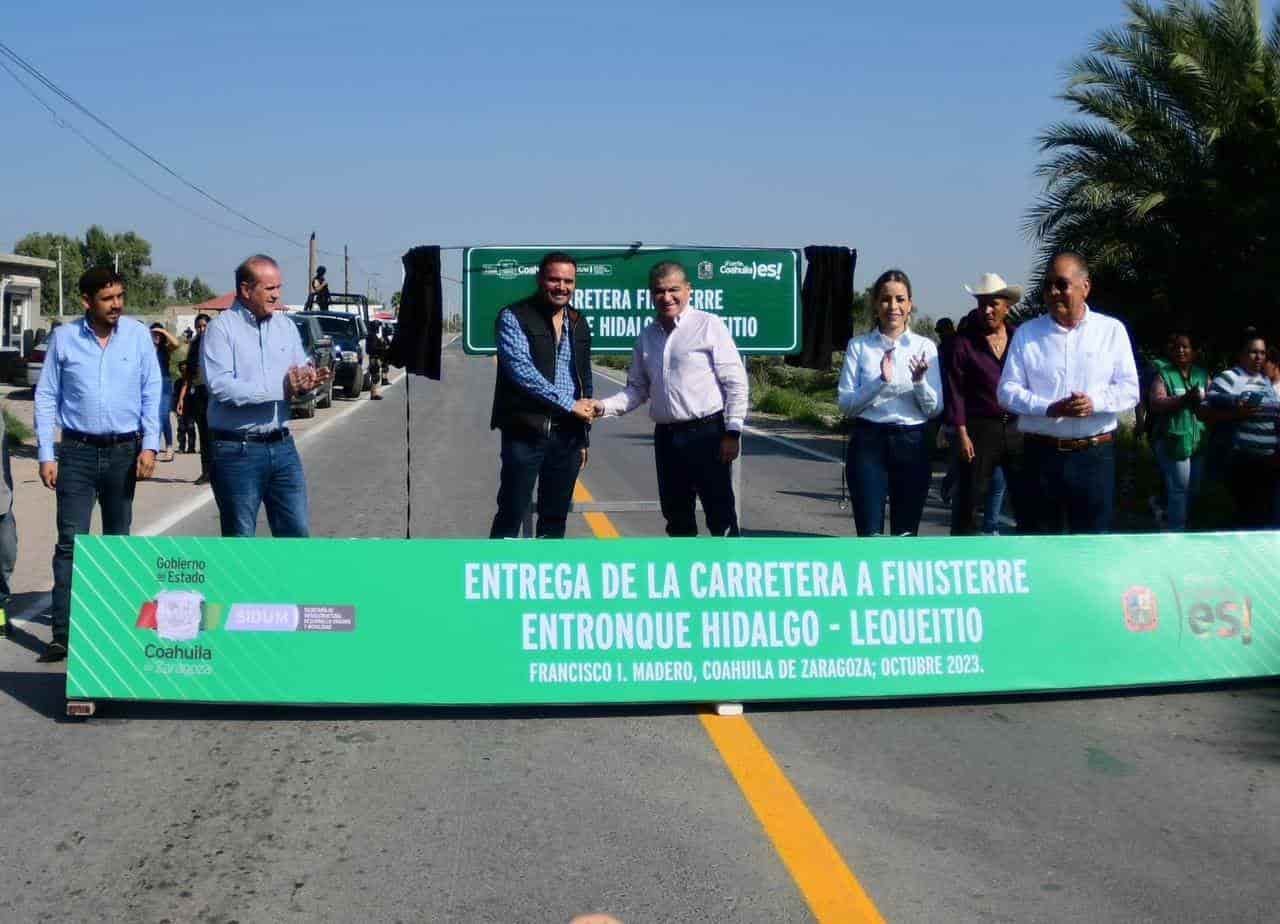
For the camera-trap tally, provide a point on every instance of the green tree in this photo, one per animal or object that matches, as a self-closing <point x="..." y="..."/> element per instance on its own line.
<point x="395" y="301"/>
<point x="182" y="290"/>
<point x="200" y="291"/>
<point x="46" y="245"/>
<point x="131" y="254"/>
<point x="1170" y="182"/>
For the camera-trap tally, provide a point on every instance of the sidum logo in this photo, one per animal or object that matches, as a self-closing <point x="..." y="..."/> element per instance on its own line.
<point x="706" y="270"/>
<point x="754" y="270"/>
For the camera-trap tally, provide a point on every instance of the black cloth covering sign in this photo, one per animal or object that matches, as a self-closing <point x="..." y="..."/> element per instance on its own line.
<point x="420" y="324"/>
<point x="827" y="300"/>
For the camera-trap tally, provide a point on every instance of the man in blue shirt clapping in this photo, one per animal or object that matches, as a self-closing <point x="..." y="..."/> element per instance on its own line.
<point x="253" y="365"/>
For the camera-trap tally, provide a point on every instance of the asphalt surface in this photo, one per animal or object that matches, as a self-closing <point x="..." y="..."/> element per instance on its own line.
<point x="1158" y="807"/>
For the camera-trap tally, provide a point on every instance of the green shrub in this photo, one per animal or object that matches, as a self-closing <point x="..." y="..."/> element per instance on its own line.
<point x="15" y="429"/>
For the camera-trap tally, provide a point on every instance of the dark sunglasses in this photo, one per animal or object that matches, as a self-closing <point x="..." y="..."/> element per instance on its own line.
<point x="1058" y="284"/>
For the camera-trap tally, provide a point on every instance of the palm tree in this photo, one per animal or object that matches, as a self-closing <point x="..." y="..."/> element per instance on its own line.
<point x="1169" y="185"/>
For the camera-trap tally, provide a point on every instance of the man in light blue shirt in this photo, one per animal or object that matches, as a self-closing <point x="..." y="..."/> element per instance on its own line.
<point x="100" y="386"/>
<point x="253" y="363"/>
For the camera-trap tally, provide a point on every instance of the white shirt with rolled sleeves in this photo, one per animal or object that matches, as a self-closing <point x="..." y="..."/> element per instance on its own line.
<point x="691" y="373"/>
<point x="1047" y="362"/>
<point x="862" y="391"/>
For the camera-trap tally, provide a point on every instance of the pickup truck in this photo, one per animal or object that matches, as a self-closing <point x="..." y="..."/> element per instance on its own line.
<point x="350" y="362"/>
<point x="319" y="347"/>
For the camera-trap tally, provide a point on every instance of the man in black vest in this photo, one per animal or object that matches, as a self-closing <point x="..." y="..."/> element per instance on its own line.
<point x="542" y="401"/>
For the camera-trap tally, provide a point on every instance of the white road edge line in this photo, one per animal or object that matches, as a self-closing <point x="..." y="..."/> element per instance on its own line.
<point x="790" y="444"/>
<point x="177" y="515"/>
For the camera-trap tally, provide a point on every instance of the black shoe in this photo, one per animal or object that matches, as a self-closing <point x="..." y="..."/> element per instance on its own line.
<point x="203" y="479"/>
<point x="54" y="651"/>
<point x="375" y="397"/>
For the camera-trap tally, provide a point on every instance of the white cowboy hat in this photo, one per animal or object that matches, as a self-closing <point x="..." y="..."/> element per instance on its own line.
<point x="992" y="284"/>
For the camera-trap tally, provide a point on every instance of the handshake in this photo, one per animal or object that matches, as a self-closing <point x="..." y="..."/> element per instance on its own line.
<point x="588" y="409"/>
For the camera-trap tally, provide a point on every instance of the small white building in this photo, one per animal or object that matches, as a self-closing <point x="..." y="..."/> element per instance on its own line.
<point x="20" y="296"/>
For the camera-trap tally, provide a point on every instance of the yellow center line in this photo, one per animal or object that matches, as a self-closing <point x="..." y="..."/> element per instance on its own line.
<point x="599" y="522"/>
<point x="832" y="892"/>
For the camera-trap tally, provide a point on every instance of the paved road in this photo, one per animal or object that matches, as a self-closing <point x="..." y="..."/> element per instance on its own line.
<point x="1116" y="808"/>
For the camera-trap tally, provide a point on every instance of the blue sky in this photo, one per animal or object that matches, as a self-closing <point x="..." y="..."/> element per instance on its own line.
<point x="903" y="129"/>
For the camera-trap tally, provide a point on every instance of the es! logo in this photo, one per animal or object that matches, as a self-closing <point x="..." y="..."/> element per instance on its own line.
<point x="754" y="270"/>
<point x="1213" y="608"/>
<point x="1141" y="610"/>
<point x="1228" y="619"/>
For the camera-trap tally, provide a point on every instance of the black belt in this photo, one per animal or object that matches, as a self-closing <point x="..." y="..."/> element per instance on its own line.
<point x="682" y="425"/>
<point x="101" y="439"/>
<point x="1070" y="445"/>
<point x="249" y="436"/>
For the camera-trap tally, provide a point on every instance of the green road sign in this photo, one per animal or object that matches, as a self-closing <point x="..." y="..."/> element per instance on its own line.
<point x="755" y="292"/>
<point x="664" y="620"/>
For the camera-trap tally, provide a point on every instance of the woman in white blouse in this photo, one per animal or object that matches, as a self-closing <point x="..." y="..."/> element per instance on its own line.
<point x="890" y="387"/>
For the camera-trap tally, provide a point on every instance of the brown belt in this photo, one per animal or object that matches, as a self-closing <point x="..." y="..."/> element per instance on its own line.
<point x="1086" y="442"/>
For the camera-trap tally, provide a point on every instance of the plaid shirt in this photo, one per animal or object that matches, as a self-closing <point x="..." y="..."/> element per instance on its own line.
<point x="513" y="354"/>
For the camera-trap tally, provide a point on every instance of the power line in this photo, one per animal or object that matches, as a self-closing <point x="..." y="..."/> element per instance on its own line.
<point x="63" y="123"/>
<point x="62" y="94"/>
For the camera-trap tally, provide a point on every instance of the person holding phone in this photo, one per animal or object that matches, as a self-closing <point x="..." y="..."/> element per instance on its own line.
<point x="1244" y="399"/>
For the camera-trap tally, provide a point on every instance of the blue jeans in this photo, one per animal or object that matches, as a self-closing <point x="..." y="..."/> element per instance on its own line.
<point x="166" y="408"/>
<point x="106" y="474"/>
<point x="552" y="463"/>
<point x="1072" y="489"/>
<point x="887" y="460"/>
<point x="247" y="476"/>
<point x="1181" y="485"/>
<point x="994" y="501"/>
<point x="689" y="468"/>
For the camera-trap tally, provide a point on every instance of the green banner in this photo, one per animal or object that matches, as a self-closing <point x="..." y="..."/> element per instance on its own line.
<point x="756" y="292"/>
<point x="663" y="620"/>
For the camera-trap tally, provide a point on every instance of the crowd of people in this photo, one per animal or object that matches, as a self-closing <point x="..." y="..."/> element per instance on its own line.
<point x="1032" y="411"/>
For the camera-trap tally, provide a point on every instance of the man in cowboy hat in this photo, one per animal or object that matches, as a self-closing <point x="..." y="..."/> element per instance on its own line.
<point x="986" y="435"/>
<point x="1068" y="376"/>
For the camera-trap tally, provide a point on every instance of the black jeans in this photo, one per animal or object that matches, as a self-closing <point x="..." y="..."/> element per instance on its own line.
<point x="197" y="405"/>
<point x="689" y="468"/>
<point x="887" y="460"/>
<point x="1073" y="489"/>
<point x="106" y="474"/>
<point x="552" y="462"/>
<point x="996" y="443"/>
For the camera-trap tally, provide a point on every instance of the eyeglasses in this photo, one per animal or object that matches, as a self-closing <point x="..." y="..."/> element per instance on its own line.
<point x="1058" y="284"/>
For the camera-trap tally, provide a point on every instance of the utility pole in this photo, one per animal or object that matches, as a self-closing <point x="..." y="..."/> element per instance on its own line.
<point x="346" y="270"/>
<point x="373" y="280"/>
<point x="311" y="261"/>
<point x="116" y="254"/>
<point x="59" y="280"/>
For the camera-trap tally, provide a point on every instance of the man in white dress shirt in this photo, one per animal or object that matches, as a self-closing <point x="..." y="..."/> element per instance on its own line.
<point x="687" y="367"/>
<point x="1069" y="373"/>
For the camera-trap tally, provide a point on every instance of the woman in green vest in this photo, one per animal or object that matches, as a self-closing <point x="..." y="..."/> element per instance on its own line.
<point x="1178" y="435"/>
